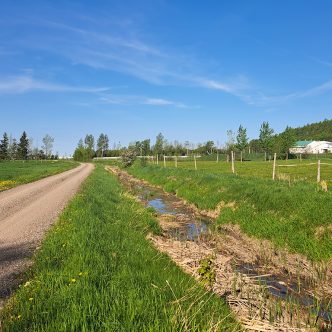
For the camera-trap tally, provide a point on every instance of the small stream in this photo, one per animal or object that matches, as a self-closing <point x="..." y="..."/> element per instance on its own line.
<point x="193" y="226"/>
<point x="296" y="292"/>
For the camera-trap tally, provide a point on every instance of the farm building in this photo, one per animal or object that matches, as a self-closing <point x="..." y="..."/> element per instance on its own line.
<point x="314" y="147"/>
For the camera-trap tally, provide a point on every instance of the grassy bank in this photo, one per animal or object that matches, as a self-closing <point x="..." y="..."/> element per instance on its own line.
<point x="297" y="217"/>
<point x="16" y="172"/>
<point x="97" y="272"/>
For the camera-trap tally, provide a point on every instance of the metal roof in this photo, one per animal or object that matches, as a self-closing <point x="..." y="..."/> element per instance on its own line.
<point x="302" y="144"/>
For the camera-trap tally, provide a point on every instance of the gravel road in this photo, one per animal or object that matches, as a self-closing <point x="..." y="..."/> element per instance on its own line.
<point x="26" y="213"/>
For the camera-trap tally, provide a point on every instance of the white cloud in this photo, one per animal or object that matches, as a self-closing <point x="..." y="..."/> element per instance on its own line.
<point x="22" y="84"/>
<point x="134" y="99"/>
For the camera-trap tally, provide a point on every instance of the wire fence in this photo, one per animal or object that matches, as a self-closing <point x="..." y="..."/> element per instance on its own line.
<point x="275" y="166"/>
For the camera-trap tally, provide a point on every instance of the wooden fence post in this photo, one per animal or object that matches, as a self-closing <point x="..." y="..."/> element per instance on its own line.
<point x="233" y="167"/>
<point x="227" y="158"/>
<point x="318" y="171"/>
<point x="164" y="161"/>
<point x="157" y="160"/>
<point x="300" y="156"/>
<point x="176" y="161"/>
<point x="274" y="166"/>
<point x="195" y="162"/>
<point x="217" y="157"/>
<point x="241" y="157"/>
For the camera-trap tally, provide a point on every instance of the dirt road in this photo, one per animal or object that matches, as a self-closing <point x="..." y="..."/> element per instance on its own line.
<point x="26" y="213"/>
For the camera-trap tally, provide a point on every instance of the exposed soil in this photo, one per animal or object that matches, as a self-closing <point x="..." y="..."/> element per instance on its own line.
<point x="26" y="213"/>
<point x="268" y="288"/>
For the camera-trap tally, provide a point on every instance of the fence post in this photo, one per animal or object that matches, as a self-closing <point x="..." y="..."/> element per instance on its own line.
<point x="176" y="161"/>
<point x="164" y="161"/>
<point x="233" y="168"/>
<point x="241" y="157"/>
<point x="157" y="160"/>
<point x="227" y="158"/>
<point x="318" y="171"/>
<point x="195" y="162"/>
<point x="217" y="157"/>
<point x="300" y="156"/>
<point x="274" y="166"/>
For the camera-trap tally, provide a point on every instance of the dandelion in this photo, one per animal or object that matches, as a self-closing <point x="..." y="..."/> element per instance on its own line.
<point x="28" y="283"/>
<point x="80" y="274"/>
<point x="30" y="298"/>
<point x="72" y="280"/>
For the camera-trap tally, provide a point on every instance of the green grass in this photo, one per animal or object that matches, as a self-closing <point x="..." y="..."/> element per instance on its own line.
<point x="96" y="271"/>
<point x="297" y="217"/>
<point x="16" y="172"/>
<point x="305" y="170"/>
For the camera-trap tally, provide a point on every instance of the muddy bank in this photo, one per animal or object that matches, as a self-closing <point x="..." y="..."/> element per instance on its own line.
<point x="268" y="289"/>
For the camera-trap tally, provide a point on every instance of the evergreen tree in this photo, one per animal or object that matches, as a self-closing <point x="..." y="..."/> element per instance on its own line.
<point x="241" y="138"/>
<point x="4" y="145"/>
<point x="23" y="146"/>
<point x="266" y="137"/>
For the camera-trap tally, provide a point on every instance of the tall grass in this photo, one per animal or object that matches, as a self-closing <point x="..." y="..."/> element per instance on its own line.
<point x="96" y="271"/>
<point x="16" y="172"/>
<point x="297" y="217"/>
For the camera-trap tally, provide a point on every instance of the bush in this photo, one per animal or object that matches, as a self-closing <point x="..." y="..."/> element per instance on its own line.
<point x="128" y="157"/>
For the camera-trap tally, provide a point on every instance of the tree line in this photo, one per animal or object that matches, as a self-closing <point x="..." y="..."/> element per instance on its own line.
<point x="267" y="142"/>
<point x="23" y="149"/>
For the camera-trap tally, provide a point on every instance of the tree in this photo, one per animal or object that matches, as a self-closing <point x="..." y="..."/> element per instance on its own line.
<point x="4" y="145"/>
<point x="208" y="147"/>
<point x="230" y="143"/>
<point x="287" y="140"/>
<point x="241" y="138"/>
<point x="159" y="145"/>
<point x="90" y="145"/>
<point x="145" y="147"/>
<point x="266" y="137"/>
<point x="102" y="144"/>
<point x="81" y="153"/>
<point x="12" y="149"/>
<point x="48" y="145"/>
<point x="23" y="147"/>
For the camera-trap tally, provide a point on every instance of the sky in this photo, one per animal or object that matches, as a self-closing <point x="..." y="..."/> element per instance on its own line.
<point x="189" y="69"/>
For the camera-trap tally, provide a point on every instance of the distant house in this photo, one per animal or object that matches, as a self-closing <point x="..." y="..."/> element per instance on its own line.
<point x="314" y="147"/>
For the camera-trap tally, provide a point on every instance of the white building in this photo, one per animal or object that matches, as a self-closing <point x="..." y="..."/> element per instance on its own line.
<point x="314" y="147"/>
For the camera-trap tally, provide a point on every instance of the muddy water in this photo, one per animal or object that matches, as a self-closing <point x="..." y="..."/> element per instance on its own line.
<point x="191" y="226"/>
<point x="295" y="292"/>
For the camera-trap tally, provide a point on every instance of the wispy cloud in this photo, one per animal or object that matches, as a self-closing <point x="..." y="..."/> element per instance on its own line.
<point x="22" y="84"/>
<point x="265" y="100"/>
<point x="124" y="51"/>
<point x="142" y="100"/>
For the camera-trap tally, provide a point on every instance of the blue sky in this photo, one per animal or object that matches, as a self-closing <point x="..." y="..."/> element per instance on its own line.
<point x="189" y="69"/>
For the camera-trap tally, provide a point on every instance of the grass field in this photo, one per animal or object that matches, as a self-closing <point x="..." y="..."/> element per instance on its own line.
<point x="96" y="271"/>
<point x="290" y="170"/>
<point x="296" y="216"/>
<point x="16" y="172"/>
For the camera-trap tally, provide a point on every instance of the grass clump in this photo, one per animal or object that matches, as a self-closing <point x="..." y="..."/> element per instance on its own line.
<point x="16" y="172"/>
<point x="287" y="215"/>
<point x="96" y="271"/>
